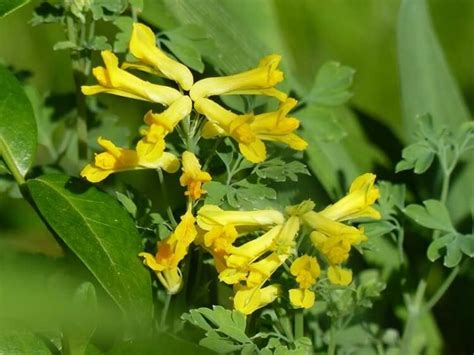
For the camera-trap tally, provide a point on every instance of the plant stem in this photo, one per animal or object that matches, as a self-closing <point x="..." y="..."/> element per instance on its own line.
<point x="299" y="324"/>
<point x="414" y="311"/>
<point x="286" y="325"/>
<point x="442" y="289"/>
<point x="165" y="197"/>
<point x="211" y="154"/>
<point x="332" y="341"/>
<point x="164" y="312"/>
<point x="445" y="187"/>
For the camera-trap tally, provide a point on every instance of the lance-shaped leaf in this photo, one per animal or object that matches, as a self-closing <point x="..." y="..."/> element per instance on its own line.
<point x="426" y="81"/>
<point x="8" y="6"/>
<point x="18" y="133"/>
<point x="101" y="233"/>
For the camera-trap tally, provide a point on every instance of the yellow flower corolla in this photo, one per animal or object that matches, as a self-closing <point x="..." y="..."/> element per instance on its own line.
<point x="339" y="276"/>
<point x="116" y="81"/>
<point x="160" y="124"/>
<point x="210" y="216"/>
<point x="143" y="47"/>
<point x="302" y="297"/>
<point x="357" y="203"/>
<point x="276" y="126"/>
<point x="193" y="176"/>
<point x="306" y="270"/>
<point x="116" y="159"/>
<point x="248" y="300"/>
<point x="170" y="252"/>
<point x="251" y="130"/>
<point x="258" y="81"/>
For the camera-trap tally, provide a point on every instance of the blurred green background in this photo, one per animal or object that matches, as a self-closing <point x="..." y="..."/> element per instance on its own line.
<point x="357" y="33"/>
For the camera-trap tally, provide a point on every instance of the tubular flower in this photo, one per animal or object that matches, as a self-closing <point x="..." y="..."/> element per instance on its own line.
<point x="143" y="47"/>
<point x="226" y="123"/>
<point x="250" y="131"/>
<point x="357" y="203"/>
<point x="160" y="124"/>
<point x="170" y="252"/>
<point x="193" y="176"/>
<point x="116" y="159"/>
<point x="248" y="300"/>
<point x="306" y="270"/>
<point x="258" y="81"/>
<point x="210" y="216"/>
<point x="116" y="81"/>
<point x="276" y="126"/>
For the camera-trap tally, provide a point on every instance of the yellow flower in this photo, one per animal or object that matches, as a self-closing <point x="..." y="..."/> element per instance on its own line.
<point x="170" y="252"/>
<point x="276" y="126"/>
<point x="193" y="176"/>
<point x="306" y="270"/>
<point x="258" y="81"/>
<point x="224" y="122"/>
<point x="220" y="239"/>
<point x="143" y="47"/>
<point x="160" y="124"/>
<point x="260" y="271"/>
<point x="302" y="298"/>
<point x="116" y="81"/>
<point x="339" y="276"/>
<point x="250" y="131"/>
<point x="248" y="300"/>
<point x="210" y="216"/>
<point x="357" y="203"/>
<point x="146" y="156"/>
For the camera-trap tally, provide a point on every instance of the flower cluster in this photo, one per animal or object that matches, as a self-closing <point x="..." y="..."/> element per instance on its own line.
<point x="248" y="130"/>
<point x="248" y="247"/>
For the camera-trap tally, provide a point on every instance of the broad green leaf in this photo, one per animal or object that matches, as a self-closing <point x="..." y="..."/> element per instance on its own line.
<point x="433" y="215"/>
<point x="237" y="49"/>
<point x="8" y="6"/>
<point x="101" y="233"/>
<point x="323" y="123"/>
<point x="426" y="81"/>
<point x="14" y="340"/>
<point x="18" y="134"/>
<point x="331" y="85"/>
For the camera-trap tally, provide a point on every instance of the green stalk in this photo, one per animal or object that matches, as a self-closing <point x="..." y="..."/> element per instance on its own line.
<point x="299" y="324"/>
<point x="164" y="312"/>
<point x="332" y="341"/>
<point x="443" y="288"/>
<point x="165" y="198"/>
<point x="414" y="311"/>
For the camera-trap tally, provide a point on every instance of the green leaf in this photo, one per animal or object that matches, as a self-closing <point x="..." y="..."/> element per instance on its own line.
<point x="279" y="170"/>
<point x="453" y="253"/>
<point x="426" y="82"/>
<point x="82" y="322"/>
<point x="418" y="156"/>
<point x="127" y="203"/>
<point x="18" y="135"/>
<point x="99" y="43"/>
<point x="65" y="45"/>
<point x="434" y="250"/>
<point x="15" y="340"/>
<point x="331" y="85"/>
<point x="466" y="243"/>
<point x="9" y="6"/>
<point x="101" y="233"/>
<point x="323" y="123"/>
<point x="124" y="24"/>
<point x="433" y="215"/>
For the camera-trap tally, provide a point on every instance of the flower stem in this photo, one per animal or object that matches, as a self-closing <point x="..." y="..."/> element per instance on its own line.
<point x="299" y="324"/>
<point x="414" y="311"/>
<point x="332" y="341"/>
<point x="164" y="312"/>
<point x="165" y="197"/>
<point x="443" y="288"/>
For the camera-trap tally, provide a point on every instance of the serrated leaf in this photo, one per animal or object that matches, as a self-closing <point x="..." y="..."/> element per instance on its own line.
<point x="9" y="6"/>
<point x="433" y="215"/>
<point x="426" y="81"/>
<point x="103" y="236"/>
<point x="434" y="249"/>
<point x="418" y="156"/>
<point x="18" y="132"/>
<point x="331" y="85"/>
<point x="99" y="43"/>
